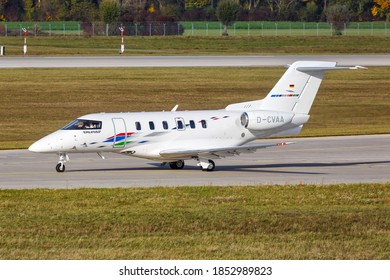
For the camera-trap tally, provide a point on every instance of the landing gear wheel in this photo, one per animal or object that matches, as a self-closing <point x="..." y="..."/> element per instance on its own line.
<point x="177" y="164"/>
<point x="211" y="166"/>
<point x="60" y="167"/>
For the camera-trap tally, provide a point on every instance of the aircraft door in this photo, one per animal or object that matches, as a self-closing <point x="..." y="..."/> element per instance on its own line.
<point x="120" y="133"/>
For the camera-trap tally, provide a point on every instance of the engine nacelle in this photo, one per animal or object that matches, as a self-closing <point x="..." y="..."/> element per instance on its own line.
<point x="263" y="120"/>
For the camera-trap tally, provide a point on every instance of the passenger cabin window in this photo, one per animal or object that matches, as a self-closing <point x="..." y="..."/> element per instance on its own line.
<point x="180" y="124"/>
<point x="204" y="123"/>
<point x="192" y="124"/>
<point x="79" y="124"/>
<point x="138" y="125"/>
<point x="165" y="125"/>
<point x="151" y="125"/>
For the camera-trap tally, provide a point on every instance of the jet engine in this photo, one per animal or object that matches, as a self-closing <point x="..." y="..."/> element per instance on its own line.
<point x="263" y="120"/>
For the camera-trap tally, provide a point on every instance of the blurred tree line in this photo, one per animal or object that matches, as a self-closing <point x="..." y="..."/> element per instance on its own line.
<point x="190" y="10"/>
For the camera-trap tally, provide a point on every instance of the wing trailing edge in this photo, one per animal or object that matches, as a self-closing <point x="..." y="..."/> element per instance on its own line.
<point x="218" y="152"/>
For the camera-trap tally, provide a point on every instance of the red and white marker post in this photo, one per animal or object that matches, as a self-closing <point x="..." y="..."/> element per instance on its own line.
<point x="25" y="41"/>
<point x="122" y="29"/>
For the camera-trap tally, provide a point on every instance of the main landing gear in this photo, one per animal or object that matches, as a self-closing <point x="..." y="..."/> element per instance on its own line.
<point x="208" y="165"/>
<point x="177" y="164"/>
<point x="60" y="167"/>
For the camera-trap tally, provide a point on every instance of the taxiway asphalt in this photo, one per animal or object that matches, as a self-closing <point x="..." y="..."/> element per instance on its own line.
<point x="184" y="61"/>
<point x="325" y="160"/>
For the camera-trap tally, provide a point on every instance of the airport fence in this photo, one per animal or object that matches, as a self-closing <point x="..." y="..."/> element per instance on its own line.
<point x="72" y="28"/>
<point x="242" y="28"/>
<point x="266" y="28"/>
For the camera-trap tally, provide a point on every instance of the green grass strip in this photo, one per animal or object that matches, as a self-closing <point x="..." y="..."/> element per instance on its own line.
<point x="200" y="45"/>
<point x="265" y="222"/>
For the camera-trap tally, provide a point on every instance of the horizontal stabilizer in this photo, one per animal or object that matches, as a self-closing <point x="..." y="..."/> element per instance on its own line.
<point x="310" y="69"/>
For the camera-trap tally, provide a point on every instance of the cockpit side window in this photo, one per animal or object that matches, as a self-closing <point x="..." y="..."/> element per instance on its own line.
<point x="79" y="124"/>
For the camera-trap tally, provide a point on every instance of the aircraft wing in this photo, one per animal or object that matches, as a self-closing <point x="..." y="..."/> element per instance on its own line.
<point x="218" y="152"/>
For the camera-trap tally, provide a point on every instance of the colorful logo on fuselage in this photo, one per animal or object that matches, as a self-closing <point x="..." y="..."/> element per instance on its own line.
<point x="120" y="139"/>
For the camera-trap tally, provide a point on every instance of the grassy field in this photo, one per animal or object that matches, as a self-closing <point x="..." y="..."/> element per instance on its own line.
<point x="274" y="222"/>
<point x="35" y="102"/>
<point x="187" y="45"/>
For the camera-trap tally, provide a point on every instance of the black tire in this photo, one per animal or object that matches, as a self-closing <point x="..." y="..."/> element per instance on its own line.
<point x="212" y="165"/>
<point x="60" y="167"/>
<point x="177" y="164"/>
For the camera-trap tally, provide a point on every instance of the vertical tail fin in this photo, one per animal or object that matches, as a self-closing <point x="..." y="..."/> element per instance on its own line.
<point x="296" y="89"/>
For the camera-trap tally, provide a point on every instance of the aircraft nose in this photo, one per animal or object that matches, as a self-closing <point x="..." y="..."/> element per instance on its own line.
<point x="39" y="147"/>
<point x="53" y="142"/>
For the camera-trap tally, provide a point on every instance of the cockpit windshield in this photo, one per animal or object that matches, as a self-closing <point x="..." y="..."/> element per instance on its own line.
<point x="83" y="124"/>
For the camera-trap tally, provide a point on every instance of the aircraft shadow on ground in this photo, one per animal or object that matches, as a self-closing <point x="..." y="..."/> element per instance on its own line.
<point x="256" y="168"/>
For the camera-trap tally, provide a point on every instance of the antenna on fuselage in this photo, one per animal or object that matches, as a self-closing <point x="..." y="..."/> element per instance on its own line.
<point x="175" y="108"/>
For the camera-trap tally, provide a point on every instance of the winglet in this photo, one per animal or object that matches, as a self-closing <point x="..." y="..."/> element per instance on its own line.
<point x="175" y="108"/>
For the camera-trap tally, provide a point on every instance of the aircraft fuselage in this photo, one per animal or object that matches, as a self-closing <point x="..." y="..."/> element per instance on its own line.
<point x="146" y="134"/>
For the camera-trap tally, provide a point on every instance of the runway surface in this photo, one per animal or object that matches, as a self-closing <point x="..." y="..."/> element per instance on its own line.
<point x="184" y="61"/>
<point x="327" y="160"/>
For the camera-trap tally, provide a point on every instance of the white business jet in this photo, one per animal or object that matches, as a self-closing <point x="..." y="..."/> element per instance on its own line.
<point x="175" y="136"/>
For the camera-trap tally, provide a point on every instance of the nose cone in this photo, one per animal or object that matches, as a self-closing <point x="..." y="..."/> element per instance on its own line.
<point x="48" y="144"/>
<point x="58" y="141"/>
<point x="40" y="147"/>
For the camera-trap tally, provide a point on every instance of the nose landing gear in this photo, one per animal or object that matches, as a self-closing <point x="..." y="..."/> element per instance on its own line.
<point x="60" y="167"/>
